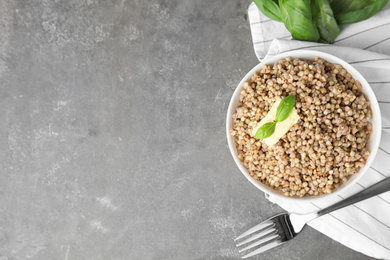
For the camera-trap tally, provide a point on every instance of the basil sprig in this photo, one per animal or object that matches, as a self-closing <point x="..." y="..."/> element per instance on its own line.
<point x="283" y="111"/>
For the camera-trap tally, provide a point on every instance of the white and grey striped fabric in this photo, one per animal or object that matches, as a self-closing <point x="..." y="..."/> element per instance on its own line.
<point x="364" y="227"/>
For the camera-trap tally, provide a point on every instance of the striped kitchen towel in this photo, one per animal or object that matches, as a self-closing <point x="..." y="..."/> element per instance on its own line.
<point x="365" y="226"/>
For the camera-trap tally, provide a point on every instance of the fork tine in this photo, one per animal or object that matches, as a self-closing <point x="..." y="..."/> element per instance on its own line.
<point x="263" y="240"/>
<point x="258" y="227"/>
<point x="266" y="247"/>
<point x="263" y="233"/>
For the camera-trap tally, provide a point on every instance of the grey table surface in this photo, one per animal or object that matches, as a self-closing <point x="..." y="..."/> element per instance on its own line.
<point x="112" y="139"/>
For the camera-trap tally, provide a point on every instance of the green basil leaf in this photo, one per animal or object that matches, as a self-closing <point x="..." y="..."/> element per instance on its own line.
<point x="284" y="109"/>
<point x="269" y="8"/>
<point x="265" y="130"/>
<point x="324" y="20"/>
<point x="345" y="6"/>
<point x="353" y="11"/>
<point x="297" y="18"/>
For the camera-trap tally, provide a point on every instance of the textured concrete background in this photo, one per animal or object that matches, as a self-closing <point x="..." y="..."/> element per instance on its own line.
<point x="112" y="142"/>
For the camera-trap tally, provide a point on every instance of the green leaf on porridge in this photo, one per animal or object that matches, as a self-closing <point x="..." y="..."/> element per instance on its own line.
<point x="265" y="130"/>
<point x="284" y="109"/>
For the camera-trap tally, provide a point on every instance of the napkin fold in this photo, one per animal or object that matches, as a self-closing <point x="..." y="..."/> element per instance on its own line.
<point x="365" y="226"/>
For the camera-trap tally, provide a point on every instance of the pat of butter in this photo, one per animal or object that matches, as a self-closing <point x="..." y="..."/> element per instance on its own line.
<point x="281" y="128"/>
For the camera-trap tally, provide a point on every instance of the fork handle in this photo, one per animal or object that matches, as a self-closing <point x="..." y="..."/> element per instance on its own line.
<point x="371" y="191"/>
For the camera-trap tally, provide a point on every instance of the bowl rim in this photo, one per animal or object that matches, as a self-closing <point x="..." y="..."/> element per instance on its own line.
<point x="375" y="120"/>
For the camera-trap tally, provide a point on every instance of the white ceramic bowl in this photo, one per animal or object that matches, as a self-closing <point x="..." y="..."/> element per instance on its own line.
<point x="373" y="142"/>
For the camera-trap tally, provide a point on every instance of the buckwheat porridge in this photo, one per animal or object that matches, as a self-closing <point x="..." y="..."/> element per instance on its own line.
<point x="324" y="147"/>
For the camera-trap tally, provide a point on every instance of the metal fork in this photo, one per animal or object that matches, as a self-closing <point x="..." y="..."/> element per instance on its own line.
<point x="283" y="227"/>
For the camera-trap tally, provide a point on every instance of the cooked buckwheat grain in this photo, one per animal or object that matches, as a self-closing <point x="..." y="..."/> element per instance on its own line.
<point x="328" y="143"/>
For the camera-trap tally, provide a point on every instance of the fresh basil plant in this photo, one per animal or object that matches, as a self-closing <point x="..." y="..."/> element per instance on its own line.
<point x="354" y="11"/>
<point x="318" y="20"/>
<point x="324" y="21"/>
<point x="297" y="17"/>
